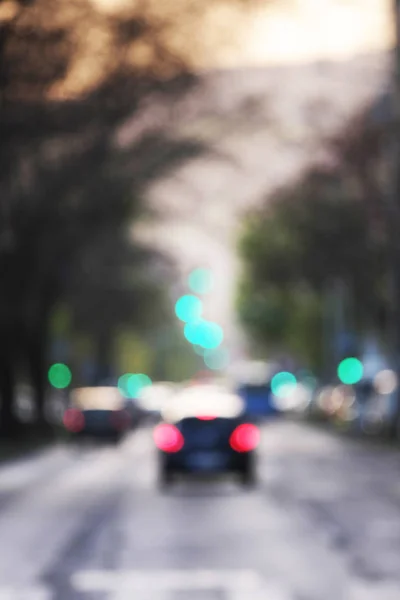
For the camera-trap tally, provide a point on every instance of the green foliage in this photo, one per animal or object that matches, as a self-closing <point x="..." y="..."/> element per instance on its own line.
<point x="306" y="237"/>
<point x="71" y="188"/>
<point x="288" y="318"/>
<point x="263" y="313"/>
<point x="174" y="359"/>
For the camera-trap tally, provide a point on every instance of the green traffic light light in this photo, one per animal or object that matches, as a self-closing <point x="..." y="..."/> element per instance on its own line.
<point x="59" y="376"/>
<point x="123" y="384"/>
<point x="188" y="308"/>
<point x="206" y="334"/>
<point x="136" y="383"/>
<point x="283" y="383"/>
<point x="350" y="371"/>
<point x="131" y="384"/>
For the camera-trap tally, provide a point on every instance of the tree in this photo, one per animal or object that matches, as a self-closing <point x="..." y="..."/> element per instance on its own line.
<point x="68" y="184"/>
<point x="305" y="237"/>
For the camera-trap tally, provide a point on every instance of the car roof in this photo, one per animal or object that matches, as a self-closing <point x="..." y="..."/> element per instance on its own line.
<point x="97" y="398"/>
<point x="203" y="400"/>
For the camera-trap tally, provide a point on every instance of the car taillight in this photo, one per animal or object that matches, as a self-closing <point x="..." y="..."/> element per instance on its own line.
<point x="168" y="438"/>
<point x="245" y="438"/>
<point x="73" y="420"/>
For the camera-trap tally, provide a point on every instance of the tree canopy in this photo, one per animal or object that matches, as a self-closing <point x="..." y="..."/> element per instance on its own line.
<point x="309" y="235"/>
<point x="75" y="163"/>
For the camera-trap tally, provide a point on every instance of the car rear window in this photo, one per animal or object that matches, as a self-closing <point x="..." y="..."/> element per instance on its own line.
<point x="97" y="416"/>
<point x="194" y="425"/>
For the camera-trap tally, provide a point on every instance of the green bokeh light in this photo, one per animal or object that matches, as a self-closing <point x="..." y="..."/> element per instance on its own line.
<point x="217" y="359"/>
<point x="191" y="333"/>
<point x="350" y="371"/>
<point x="136" y="383"/>
<point x="201" y="281"/>
<point x="131" y="384"/>
<point x="188" y="308"/>
<point x="60" y="376"/>
<point x="283" y="383"/>
<point x="123" y="384"/>
<point x="206" y="334"/>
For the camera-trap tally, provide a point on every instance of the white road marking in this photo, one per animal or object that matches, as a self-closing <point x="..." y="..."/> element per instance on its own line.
<point x="237" y="584"/>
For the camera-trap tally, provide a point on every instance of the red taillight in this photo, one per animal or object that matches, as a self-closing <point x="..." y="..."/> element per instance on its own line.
<point x="73" y="420"/>
<point x="204" y="418"/>
<point x="168" y="438"/>
<point x="245" y="438"/>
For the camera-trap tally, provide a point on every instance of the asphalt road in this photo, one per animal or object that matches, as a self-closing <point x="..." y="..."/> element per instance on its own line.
<point x="323" y="524"/>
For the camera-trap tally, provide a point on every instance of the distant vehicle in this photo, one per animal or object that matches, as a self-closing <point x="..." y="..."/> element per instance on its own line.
<point x="376" y="401"/>
<point x="97" y="413"/>
<point x="204" y="431"/>
<point x="258" y="401"/>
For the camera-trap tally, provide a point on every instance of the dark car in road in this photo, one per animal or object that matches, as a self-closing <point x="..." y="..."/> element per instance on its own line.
<point x="97" y="413"/>
<point x="100" y="424"/>
<point x="195" y="445"/>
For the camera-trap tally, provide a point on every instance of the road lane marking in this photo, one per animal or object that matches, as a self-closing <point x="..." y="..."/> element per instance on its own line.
<point x="236" y="584"/>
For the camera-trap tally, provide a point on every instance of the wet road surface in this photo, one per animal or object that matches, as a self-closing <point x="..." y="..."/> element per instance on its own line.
<point x="322" y="524"/>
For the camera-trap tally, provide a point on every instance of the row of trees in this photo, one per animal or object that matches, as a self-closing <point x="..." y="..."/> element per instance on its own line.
<point x="69" y="191"/>
<point x="326" y="231"/>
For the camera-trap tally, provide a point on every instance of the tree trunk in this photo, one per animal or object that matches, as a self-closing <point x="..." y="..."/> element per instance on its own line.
<point x="36" y="363"/>
<point x="9" y="424"/>
<point x="104" y="357"/>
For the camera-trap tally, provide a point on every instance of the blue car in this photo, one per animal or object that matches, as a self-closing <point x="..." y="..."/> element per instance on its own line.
<point x="258" y="401"/>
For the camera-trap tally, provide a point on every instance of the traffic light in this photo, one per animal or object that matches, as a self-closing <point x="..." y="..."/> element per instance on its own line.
<point x="350" y="371"/>
<point x="188" y="308"/>
<point x="59" y="376"/>
<point x="204" y="333"/>
<point x="131" y="384"/>
<point x="283" y="383"/>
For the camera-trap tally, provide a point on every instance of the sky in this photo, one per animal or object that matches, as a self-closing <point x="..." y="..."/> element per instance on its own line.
<point x="215" y="34"/>
<point x="238" y="33"/>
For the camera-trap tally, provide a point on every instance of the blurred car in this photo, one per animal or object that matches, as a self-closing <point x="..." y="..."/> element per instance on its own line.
<point x="258" y="401"/>
<point x="136" y="414"/>
<point x="195" y="445"/>
<point x="377" y="402"/>
<point x="97" y="413"/>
